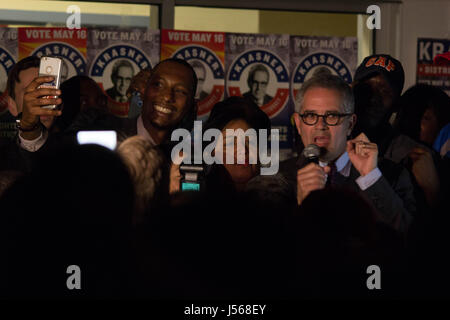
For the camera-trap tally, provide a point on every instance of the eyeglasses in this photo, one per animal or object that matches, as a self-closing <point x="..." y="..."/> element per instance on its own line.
<point x="330" y="118"/>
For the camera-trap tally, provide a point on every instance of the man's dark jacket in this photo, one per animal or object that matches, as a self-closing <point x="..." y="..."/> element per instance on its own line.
<point x="392" y="194"/>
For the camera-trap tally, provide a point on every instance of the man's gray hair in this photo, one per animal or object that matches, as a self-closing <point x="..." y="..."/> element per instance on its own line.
<point x="327" y="81"/>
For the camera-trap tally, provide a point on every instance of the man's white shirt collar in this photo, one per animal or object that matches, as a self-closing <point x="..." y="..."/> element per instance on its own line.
<point x="141" y="131"/>
<point x="343" y="164"/>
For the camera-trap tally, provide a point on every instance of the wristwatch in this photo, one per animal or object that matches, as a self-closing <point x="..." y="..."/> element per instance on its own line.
<point x="18" y="126"/>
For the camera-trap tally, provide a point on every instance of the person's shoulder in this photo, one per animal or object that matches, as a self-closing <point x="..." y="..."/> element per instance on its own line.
<point x="400" y="146"/>
<point x="391" y="170"/>
<point x="408" y="142"/>
<point x="290" y="162"/>
<point x="288" y="167"/>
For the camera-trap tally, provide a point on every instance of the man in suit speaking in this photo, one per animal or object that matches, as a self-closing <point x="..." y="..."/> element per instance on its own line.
<point x="325" y="118"/>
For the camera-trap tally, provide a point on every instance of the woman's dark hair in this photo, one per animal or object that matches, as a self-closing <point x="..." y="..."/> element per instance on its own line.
<point x="413" y="104"/>
<point x="234" y="108"/>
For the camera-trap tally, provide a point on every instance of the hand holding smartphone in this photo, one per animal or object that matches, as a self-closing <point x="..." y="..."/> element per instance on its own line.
<point x="50" y="66"/>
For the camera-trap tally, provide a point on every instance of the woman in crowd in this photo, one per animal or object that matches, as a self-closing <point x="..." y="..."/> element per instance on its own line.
<point x="424" y="111"/>
<point x="236" y="113"/>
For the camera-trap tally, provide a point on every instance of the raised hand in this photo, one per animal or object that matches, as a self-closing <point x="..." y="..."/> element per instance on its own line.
<point x="363" y="154"/>
<point x="425" y="173"/>
<point x="33" y="100"/>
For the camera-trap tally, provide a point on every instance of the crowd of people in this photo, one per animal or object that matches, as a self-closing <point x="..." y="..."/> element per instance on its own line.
<point x="374" y="194"/>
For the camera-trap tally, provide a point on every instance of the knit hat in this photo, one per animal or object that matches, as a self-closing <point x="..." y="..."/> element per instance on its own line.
<point x="385" y="65"/>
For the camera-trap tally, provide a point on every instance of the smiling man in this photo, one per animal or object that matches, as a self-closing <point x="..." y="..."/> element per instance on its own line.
<point x="169" y="104"/>
<point x="169" y="100"/>
<point x="325" y="117"/>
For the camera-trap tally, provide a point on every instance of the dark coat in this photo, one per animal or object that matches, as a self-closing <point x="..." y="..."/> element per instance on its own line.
<point x="392" y="195"/>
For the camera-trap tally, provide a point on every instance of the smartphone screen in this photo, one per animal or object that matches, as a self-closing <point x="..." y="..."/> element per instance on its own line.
<point x="106" y="139"/>
<point x="190" y="186"/>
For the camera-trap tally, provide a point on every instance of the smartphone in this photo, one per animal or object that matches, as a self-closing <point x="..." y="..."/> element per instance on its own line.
<point x="107" y="139"/>
<point x="50" y="66"/>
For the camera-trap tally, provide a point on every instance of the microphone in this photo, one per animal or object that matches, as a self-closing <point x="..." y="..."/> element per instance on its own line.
<point x="312" y="153"/>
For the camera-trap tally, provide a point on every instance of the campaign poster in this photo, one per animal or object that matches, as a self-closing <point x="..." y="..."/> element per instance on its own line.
<point x="257" y="68"/>
<point x="115" y="56"/>
<point x="427" y="72"/>
<point x="311" y="55"/>
<point x="67" y="44"/>
<point x="205" y="52"/>
<point x="8" y="57"/>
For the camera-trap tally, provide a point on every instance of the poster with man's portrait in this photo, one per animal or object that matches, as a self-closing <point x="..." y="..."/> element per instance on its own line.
<point x="313" y="55"/>
<point x="258" y="69"/>
<point x="115" y="56"/>
<point x="8" y="57"/>
<point x="64" y="43"/>
<point x="204" y="51"/>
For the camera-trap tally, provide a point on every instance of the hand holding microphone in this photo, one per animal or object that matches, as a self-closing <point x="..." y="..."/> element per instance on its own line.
<point x="312" y="176"/>
<point x="312" y="153"/>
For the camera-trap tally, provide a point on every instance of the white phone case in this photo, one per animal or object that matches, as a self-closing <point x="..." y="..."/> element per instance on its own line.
<point x="50" y="66"/>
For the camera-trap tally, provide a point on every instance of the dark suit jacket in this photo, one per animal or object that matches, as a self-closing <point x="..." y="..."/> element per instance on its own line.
<point x="113" y="93"/>
<point x="392" y="194"/>
<point x="94" y="119"/>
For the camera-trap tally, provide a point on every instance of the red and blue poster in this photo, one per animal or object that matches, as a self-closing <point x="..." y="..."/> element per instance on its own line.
<point x="68" y="44"/>
<point x="115" y="56"/>
<point x="258" y="68"/>
<point x="8" y="57"/>
<point x="205" y="52"/>
<point x="427" y="71"/>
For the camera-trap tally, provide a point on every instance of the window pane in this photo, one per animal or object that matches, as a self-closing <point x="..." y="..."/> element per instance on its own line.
<point x="212" y="19"/>
<point x="269" y="21"/>
<point x="53" y="13"/>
